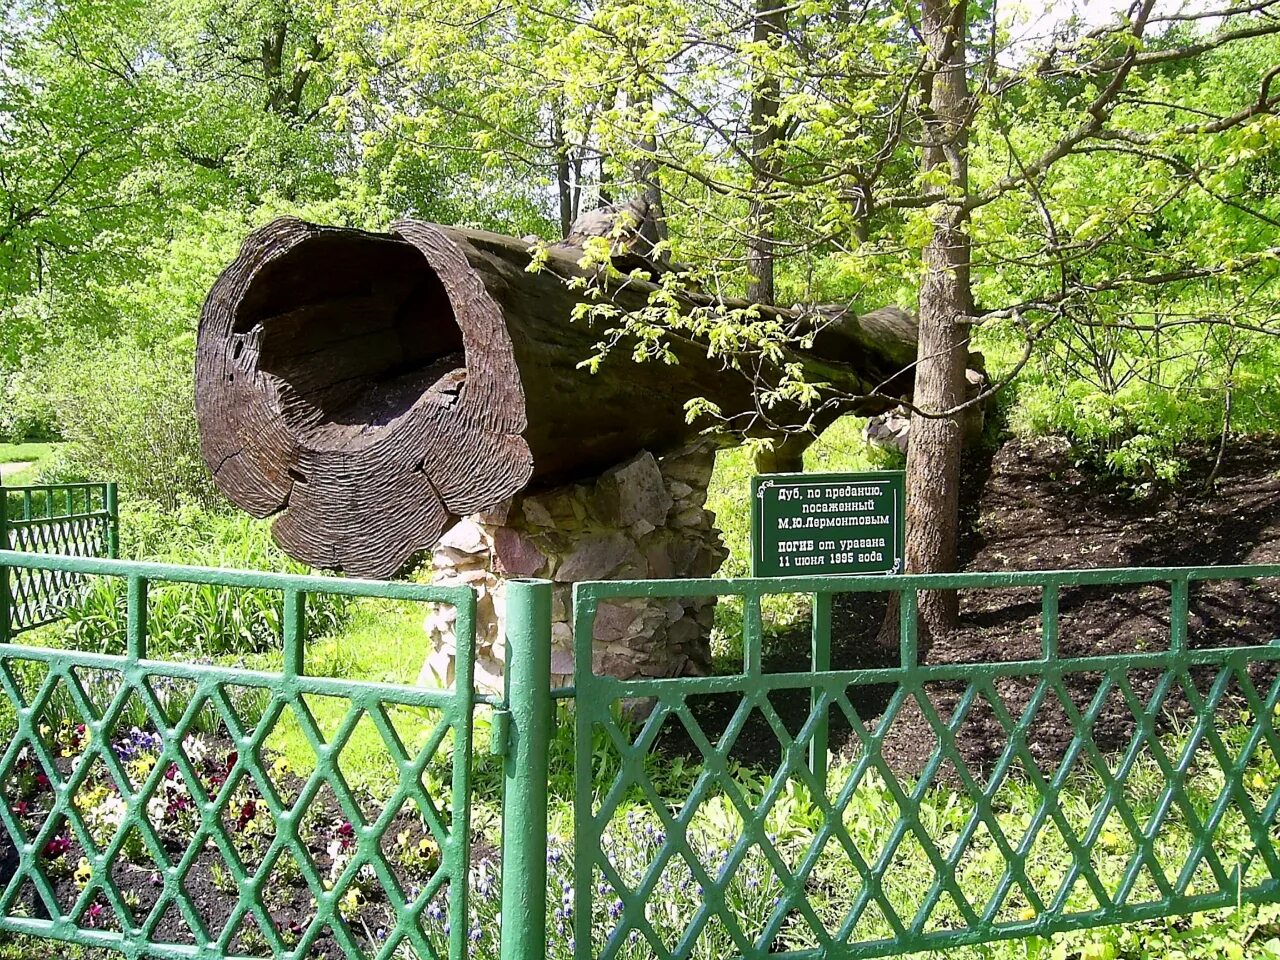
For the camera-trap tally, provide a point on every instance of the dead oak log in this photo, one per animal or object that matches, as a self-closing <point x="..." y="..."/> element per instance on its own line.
<point x="366" y="388"/>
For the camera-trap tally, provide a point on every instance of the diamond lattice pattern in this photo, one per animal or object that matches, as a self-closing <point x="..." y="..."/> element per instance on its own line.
<point x="976" y="830"/>
<point x="227" y="816"/>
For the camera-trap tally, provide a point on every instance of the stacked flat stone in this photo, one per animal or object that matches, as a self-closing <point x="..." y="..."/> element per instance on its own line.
<point x="643" y="519"/>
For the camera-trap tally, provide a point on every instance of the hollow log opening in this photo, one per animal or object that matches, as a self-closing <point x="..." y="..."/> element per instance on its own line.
<point x="357" y="329"/>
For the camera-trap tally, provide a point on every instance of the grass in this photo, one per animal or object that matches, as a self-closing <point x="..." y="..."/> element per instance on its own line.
<point x="37" y="454"/>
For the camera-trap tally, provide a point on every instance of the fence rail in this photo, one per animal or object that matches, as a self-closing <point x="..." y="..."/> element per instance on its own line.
<point x="67" y="519"/>
<point x="185" y="711"/>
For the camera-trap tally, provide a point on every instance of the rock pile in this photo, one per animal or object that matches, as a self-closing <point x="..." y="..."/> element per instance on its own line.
<point x="644" y="519"/>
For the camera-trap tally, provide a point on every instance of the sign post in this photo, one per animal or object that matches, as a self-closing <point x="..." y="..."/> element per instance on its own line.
<point x="820" y="524"/>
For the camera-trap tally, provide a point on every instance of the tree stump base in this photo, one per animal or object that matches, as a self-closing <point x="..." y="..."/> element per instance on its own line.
<point x="643" y="519"/>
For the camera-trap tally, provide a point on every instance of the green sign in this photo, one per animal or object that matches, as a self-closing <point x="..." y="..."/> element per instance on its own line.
<point x="816" y="524"/>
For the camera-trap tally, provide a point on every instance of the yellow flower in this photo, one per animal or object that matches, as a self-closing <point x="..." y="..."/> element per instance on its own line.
<point x="84" y="873"/>
<point x="351" y="901"/>
<point x="1028" y="913"/>
<point x="141" y="765"/>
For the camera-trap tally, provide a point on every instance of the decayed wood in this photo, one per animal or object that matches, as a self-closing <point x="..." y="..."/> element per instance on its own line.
<point x="365" y="388"/>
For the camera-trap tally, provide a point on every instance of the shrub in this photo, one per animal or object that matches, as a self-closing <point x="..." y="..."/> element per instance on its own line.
<point x="26" y="413"/>
<point x="129" y="412"/>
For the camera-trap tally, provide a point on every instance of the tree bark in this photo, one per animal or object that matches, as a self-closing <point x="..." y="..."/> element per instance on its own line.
<point x="366" y="388"/>
<point x="933" y="458"/>
<point x="769" y="22"/>
<point x="564" y="186"/>
<point x="787" y="453"/>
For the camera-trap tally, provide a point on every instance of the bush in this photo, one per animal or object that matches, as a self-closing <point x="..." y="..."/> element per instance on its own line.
<point x="26" y="413"/>
<point x="1133" y="409"/>
<point x="197" y="620"/>
<point x="129" y="413"/>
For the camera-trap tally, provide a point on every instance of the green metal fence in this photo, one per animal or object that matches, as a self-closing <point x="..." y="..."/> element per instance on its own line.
<point x="78" y="723"/>
<point x="967" y="852"/>
<point x="678" y="850"/>
<point x="68" y="519"/>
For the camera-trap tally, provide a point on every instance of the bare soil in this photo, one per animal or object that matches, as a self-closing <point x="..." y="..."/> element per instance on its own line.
<point x="1031" y="506"/>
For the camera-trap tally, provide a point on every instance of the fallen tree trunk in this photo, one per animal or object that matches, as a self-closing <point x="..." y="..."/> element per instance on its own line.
<point x="366" y="388"/>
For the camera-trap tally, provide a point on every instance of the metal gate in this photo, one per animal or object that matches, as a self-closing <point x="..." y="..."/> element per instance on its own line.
<point x="77" y="722"/>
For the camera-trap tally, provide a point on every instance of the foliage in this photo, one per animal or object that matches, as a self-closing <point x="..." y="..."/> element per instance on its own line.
<point x="1118" y="206"/>
<point x="140" y="142"/>
<point x="1137" y="425"/>
<point x="128" y="414"/>
<point x="26" y="414"/>
<point x="196" y="620"/>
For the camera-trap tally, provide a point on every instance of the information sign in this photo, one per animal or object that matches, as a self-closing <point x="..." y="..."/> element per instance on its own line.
<point x="818" y="524"/>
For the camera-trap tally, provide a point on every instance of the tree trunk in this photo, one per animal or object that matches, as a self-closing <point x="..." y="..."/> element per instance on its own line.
<point x="933" y="458"/>
<point x="770" y="20"/>
<point x="564" y="186"/>
<point x="366" y="388"/>
<point x="787" y="453"/>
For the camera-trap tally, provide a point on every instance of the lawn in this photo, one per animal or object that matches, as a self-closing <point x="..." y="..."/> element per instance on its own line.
<point x="21" y="463"/>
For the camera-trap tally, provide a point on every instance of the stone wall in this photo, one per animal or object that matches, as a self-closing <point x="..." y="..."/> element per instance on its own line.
<point x="644" y="519"/>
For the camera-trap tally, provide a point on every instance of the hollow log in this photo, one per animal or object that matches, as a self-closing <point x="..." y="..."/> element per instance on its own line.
<point x="367" y="388"/>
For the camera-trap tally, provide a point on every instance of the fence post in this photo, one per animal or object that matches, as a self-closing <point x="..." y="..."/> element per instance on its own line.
<point x="111" y="496"/>
<point x="524" y="795"/>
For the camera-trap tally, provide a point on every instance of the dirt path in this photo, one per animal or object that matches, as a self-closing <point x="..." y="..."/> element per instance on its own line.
<point x="8" y="469"/>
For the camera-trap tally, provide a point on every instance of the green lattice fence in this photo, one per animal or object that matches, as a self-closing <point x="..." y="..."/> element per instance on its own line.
<point x="1016" y="837"/>
<point x="68" y="519"/>
<point x="147" y="807"/>
<point x="1160" y="797"/>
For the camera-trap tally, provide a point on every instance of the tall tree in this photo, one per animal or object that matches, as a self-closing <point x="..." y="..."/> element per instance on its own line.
<point x="914" y="152"/>
<point x="945" y="306"/>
